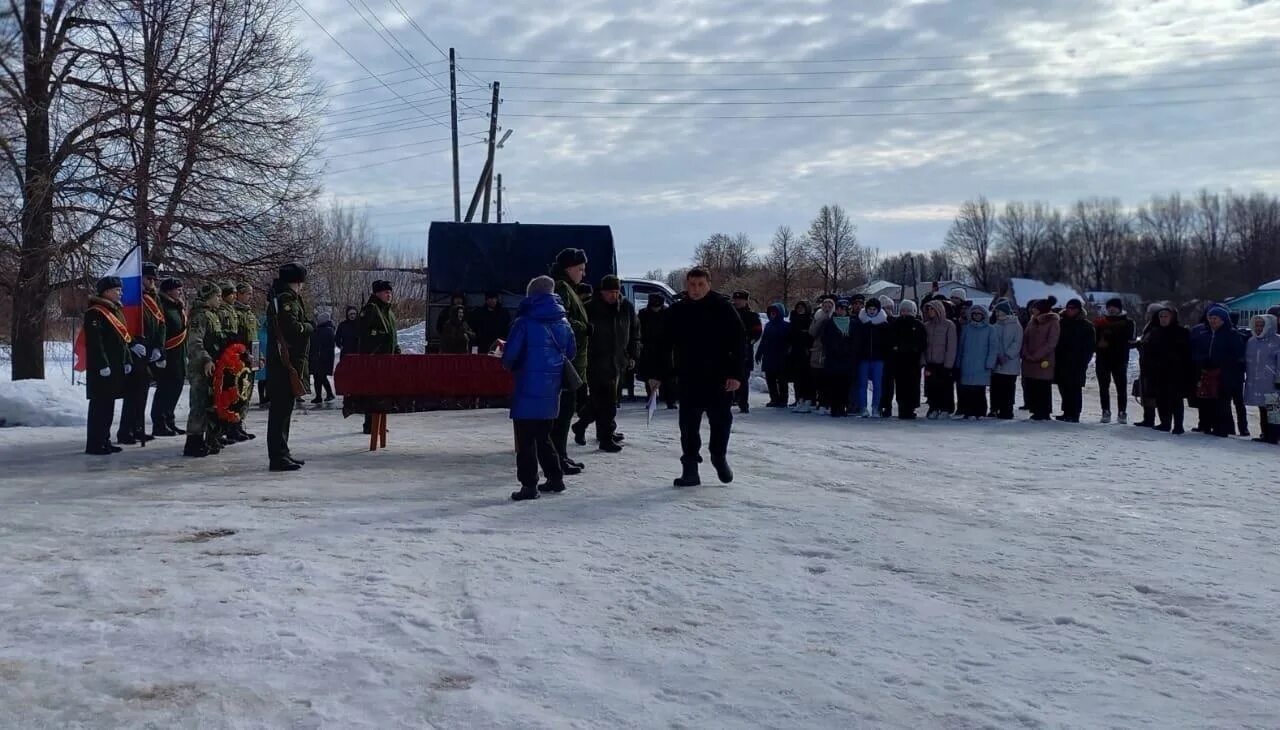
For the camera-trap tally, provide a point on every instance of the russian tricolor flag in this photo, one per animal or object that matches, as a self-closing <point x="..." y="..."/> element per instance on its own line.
<point x="129" y="269"/>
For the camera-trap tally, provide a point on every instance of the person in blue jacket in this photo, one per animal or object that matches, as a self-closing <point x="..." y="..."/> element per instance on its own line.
<point x="978" y="353"/>
<point x="1218" y="353"/>
<point x="772" y="355"/>
<point x="540" y="343"/>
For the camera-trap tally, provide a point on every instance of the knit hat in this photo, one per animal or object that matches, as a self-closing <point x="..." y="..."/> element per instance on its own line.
<point x="323" y="317"/>
<point x="244" y="288"/>
<point x="1050" y="302"/>
<point x="655" y="298"/>
<point x="1218" y="310"/>
<point x="1005" y="307"/>
<point x="381" y="285"/>
<point x="1075" y="304"/>
<point x="1116" y="302"/>
<point x="842" y="303"/>
<point x="959" y="293"/>
<point x="151" y="270"/>
<point x="541" y="285"/>
<point x="886" y="303"/>
<point x="610" y="283"/>
<point x="107" y="283"/>
<point x="170" y="284"/>
<point x="742" y="294"/>
<point x="857" y="298"/>
<point x="570" y="257"/>
<point x="908" y="308"/>
<point x="294" y="273"/>
<point x="209" y="290"/>
<point x="227" y="288"/>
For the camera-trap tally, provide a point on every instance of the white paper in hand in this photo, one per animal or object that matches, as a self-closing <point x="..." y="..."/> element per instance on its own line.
<point x="651" y="408"/>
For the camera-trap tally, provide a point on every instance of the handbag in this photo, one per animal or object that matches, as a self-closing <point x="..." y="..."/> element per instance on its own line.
<point x="1209" y="385"/>
<point x="570" y="381"/>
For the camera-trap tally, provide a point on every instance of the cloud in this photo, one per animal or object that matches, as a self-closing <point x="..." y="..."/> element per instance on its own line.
<point x="931" y="102"/>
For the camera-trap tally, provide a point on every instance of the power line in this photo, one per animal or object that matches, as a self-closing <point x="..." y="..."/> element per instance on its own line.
<point x="860" y="59"/>
<point x="967" y="97"/>
<point x="392" y="42"/>
<point x="353" y="56"/>
<point x="938" y="113"/>
<point x="753" y="74"/>
<point x="380" y="163"/>
<point x="383" y="149"/>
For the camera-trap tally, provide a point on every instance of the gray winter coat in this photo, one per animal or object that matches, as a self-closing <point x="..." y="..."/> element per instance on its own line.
<point x="1009" y="357"/>
<point x="1262" y="364"/>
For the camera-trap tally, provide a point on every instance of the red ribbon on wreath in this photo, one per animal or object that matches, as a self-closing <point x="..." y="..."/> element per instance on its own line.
<point x="230" y="378"/>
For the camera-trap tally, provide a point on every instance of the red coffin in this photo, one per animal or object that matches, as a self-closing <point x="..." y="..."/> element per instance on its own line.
<point x="431" y="376"/>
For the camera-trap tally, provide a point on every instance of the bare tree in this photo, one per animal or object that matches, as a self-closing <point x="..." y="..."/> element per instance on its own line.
<point x="832" y="245"/>
<point x="1021" y="231"/>
<point x="1166" y="225"/>
<point x="1254" y="225"/>
<point x="971" y="237"/>
<point x="784" y="260"/>
<point x="1101" y="227"/>
<point x="725" y="256"/>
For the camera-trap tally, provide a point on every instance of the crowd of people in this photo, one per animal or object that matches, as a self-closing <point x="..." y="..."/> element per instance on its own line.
<point x="573" y="350"/>
<point x="854" y="356"/>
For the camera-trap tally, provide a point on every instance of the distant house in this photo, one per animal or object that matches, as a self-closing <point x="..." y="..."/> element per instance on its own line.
<point x="1099" y="299"/>
<point x="1024" y="291"/>
<point x="879" y="288"/>
<point x="923" y="288"/>
<point x="1256" y="302"/>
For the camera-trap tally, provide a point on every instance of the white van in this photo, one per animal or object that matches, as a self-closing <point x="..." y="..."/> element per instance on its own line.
<point x="638" y="291"/>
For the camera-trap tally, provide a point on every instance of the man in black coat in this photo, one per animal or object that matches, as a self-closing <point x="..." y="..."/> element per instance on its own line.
<point x="490" y="322"/>
<point x="652" y="331"/>
<point x="107" y="363"/>
<point x="752" y="330"/>
<point x="707" y="342"/>
<point x="1117" y="335"/>
<point x="611" y="351"/>
<point x="1075" y="351"/>
<point x="908" y="340"/>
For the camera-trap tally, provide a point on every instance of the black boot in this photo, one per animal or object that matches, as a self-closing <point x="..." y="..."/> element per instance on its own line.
<point x="569" y="469"/>
<point x="579" y="433"/>
<point x="525" y="494"/>
<point x="162" y="430"/>
<point x="195" y="446"/>
<point x="723" y="472"/>
<point x="689" y="476"/>
<point x="174" y="427"/>
<point x="551" y="487"/>
<point x="212" y="441"/>
<point x="610" y="447"/>
<point x="284" y="465"/>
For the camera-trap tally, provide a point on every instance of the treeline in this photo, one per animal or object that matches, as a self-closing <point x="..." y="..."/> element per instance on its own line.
<point x="188" y="127"/>
<point x="1208" y="246"/>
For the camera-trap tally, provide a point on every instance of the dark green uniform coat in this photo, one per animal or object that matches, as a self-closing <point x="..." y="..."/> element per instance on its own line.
<point x="615" y="338"/>
<point x="104" y="348"/>
<point x="175" y="325"/>
<point x="378" y="329"/>
<point x="577" y="316"/>
<point x="287" y="317"/>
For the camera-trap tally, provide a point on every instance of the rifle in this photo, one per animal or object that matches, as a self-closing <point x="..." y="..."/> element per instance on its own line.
<point x="298" y="387"/>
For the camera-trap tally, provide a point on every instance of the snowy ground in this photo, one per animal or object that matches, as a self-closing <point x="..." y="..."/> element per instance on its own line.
<point x="857" y="574"/>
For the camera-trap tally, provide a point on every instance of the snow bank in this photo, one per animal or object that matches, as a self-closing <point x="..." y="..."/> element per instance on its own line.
<point x="41" y="403"/>
<point x="412" y="339"/>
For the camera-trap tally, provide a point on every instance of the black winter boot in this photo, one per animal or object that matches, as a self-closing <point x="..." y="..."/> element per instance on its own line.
<point x="689" y="476"/>
<point x="195" y="446"/>
<point x="525" y="494"/>
<point x="579" y="433"/>
<point x="723" y="472"/>
<point x="551" y="487"/>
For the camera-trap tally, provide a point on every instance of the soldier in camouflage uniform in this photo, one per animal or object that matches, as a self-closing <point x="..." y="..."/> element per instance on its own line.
<point x="205" y="340"/>
<point x="247" y="334"/>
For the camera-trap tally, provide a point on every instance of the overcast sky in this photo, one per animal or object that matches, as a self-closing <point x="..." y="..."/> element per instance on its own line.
<point x="897" y="110"/>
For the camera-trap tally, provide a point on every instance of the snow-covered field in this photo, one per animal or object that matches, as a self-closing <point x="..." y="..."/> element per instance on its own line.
<point x="857" y="574"/>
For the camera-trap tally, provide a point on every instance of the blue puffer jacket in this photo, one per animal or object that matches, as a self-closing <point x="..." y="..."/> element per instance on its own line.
<point x="540" y="340"/>
<point x="978" y="351"/>
<point x="775" y="344"/>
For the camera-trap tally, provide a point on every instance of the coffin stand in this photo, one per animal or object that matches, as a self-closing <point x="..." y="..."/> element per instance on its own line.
<point x="376" y="385"/>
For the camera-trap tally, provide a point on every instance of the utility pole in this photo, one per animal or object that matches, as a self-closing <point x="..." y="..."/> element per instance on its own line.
<point x="493" y="140"/>
<point x="499" y="197"/>
<point x="453" y="109"/>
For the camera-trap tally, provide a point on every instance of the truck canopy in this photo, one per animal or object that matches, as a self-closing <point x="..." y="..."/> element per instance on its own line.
<point x="477" y="257"/>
